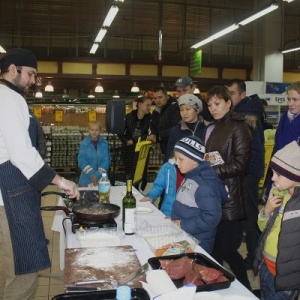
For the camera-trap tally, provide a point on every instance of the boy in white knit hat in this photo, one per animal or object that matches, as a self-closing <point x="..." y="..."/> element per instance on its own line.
<point x="277" y="257"/>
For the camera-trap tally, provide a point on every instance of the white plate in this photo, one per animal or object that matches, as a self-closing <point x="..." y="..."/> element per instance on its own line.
<point x="208" y="296"/>
<point x="143" y="210"/>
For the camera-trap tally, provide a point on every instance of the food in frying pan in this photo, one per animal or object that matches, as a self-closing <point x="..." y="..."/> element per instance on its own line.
<point x="95" y="211"/>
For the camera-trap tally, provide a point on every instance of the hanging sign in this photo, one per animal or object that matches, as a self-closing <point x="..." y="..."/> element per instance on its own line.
<point x="92" y="116"/>
<point x="37" y="110"/>
<point x="59" y="116"/>
<point x="195" y="63"/>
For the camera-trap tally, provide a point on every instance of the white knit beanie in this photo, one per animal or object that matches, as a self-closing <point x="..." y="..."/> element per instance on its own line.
<point x="286" y="161"/>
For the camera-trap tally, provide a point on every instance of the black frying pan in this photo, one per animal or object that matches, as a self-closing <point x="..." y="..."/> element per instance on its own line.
<point x="77" y="208"/>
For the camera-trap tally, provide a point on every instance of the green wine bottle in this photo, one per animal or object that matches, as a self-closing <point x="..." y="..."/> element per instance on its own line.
<point x="129" y="207"/>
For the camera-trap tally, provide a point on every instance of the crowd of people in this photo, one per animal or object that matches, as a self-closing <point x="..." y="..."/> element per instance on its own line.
<point x="208" y="185"/>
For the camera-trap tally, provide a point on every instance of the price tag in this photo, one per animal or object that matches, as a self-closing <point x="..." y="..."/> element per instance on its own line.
<point x="92" y="116"/>
<point x="37" y="112"/>
<point x="59" y="116"/>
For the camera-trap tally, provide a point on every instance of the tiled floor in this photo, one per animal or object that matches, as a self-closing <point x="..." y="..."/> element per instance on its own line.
<point x="51" y="281"/>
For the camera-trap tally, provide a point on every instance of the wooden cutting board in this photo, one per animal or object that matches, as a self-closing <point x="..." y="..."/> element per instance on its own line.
<point x="101" y="263"/>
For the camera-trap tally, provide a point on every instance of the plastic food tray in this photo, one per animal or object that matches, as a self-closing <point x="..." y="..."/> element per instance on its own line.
<point x="200" y="259"/>
<point x="100" y="237"/>
<point x="136" y="294"/>
<point x="158" y="236"/>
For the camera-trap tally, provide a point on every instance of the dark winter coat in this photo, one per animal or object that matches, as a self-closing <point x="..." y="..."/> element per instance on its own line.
<point x="199" y="204"/>
<point x="252" y="108"/>
<point x="135" y="128"/>
<point x="231" y="137"/>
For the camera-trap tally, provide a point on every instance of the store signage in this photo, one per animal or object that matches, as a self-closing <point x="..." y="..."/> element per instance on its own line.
<point x="280" y="99"/>
<point x="37" y="110"/>
<point x="195" y="63"/>
<point x="92" y="116"/>
<point x="59" y="116"/>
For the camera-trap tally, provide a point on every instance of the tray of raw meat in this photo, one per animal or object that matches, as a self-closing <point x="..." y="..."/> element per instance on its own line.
<point x="195" y="268"/>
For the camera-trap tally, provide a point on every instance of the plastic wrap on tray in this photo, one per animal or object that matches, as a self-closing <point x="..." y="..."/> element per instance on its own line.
<point x="100" y="237"/>
<point x="166" y="239"/>
<point x="200" y="263"/>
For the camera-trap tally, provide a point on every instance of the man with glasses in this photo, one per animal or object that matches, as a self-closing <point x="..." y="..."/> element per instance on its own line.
<point x="23" y="175"/>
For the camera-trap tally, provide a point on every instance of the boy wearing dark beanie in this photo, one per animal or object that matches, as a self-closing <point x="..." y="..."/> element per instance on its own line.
<point x="277" y="257"/>
<point x="197" y="208"/>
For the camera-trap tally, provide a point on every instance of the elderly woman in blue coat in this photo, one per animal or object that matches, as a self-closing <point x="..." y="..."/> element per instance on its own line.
<point x="93" y="156"/>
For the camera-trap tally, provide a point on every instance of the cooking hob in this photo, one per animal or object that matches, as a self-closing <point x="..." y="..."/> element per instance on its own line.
<point x="77" y="223"/>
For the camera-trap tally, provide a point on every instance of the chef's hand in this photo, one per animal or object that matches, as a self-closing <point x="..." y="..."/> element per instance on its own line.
<point x="70" y="188"/>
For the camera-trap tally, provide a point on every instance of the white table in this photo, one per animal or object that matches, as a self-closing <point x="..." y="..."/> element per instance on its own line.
<point x="143" y="252"/>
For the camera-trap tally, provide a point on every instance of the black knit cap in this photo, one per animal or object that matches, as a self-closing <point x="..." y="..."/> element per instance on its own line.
<point x="18" y="57"/>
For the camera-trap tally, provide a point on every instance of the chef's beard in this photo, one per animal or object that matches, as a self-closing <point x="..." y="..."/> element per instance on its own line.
<point x="23" y="90"/>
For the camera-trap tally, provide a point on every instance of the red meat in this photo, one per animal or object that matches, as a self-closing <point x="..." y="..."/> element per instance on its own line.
<point x="222" y="279"/>
<point x="177" y="269"/>
<point x="192" y="277"/>
<point x="208" y="275"/>
<point x="164" y="263"/>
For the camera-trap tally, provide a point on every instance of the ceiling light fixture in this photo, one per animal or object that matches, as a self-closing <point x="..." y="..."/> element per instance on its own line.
<point x="94" y="48"/>
<point x="2" y="50"/>
<point x="102" y="32"/>
<point x="135" y="88"/>
<point x="216" y="36"/>
<point x="99" y="88"/>
<point x="235" y="26"/>
<point x="110" y="16"/>
<point x="107" y="22"/>
<point x="116" y="94"/>
<point x="91" y="95"/>
<point x="288" y="1"/>
<point x="290" y="50"/>
<point x="38" y="94"/>
<point x="196" y="91"/>
<point x="259" y="14"/>
<point x="49" y="87"/>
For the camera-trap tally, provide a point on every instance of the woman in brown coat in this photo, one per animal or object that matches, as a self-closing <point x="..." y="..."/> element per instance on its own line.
<point x="230" y="135"/>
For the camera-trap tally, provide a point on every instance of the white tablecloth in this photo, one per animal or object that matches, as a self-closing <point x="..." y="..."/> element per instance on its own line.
<point x="143" y="252"/>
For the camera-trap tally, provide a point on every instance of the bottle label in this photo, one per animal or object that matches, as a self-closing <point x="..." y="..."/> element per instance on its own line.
<point x="129" y="222"/>
<point x="103" y="187"/>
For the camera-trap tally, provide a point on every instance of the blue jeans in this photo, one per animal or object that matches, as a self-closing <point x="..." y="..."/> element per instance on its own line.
<point x="267" y="286"/>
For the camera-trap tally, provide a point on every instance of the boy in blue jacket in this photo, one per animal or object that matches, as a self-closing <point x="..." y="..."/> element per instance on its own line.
<point x="93" y="156"/>
<point x="164" y="183"/>
<point x="198" y="205"/>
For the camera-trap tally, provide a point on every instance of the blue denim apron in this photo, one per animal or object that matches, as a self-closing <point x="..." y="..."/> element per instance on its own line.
<point x="22" y="205"/>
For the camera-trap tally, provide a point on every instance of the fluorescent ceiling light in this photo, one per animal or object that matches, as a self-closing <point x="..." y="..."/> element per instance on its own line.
<point x="100" y="35"/>
<point x="94" y="48"/>
<point x="216" y="35"/>
<point x="110" y="16"/>
<point x="259" y="14"/>
<point x="2" y="50"/>
<point x="288" y="1"/>
<point x="290" y="50"/>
